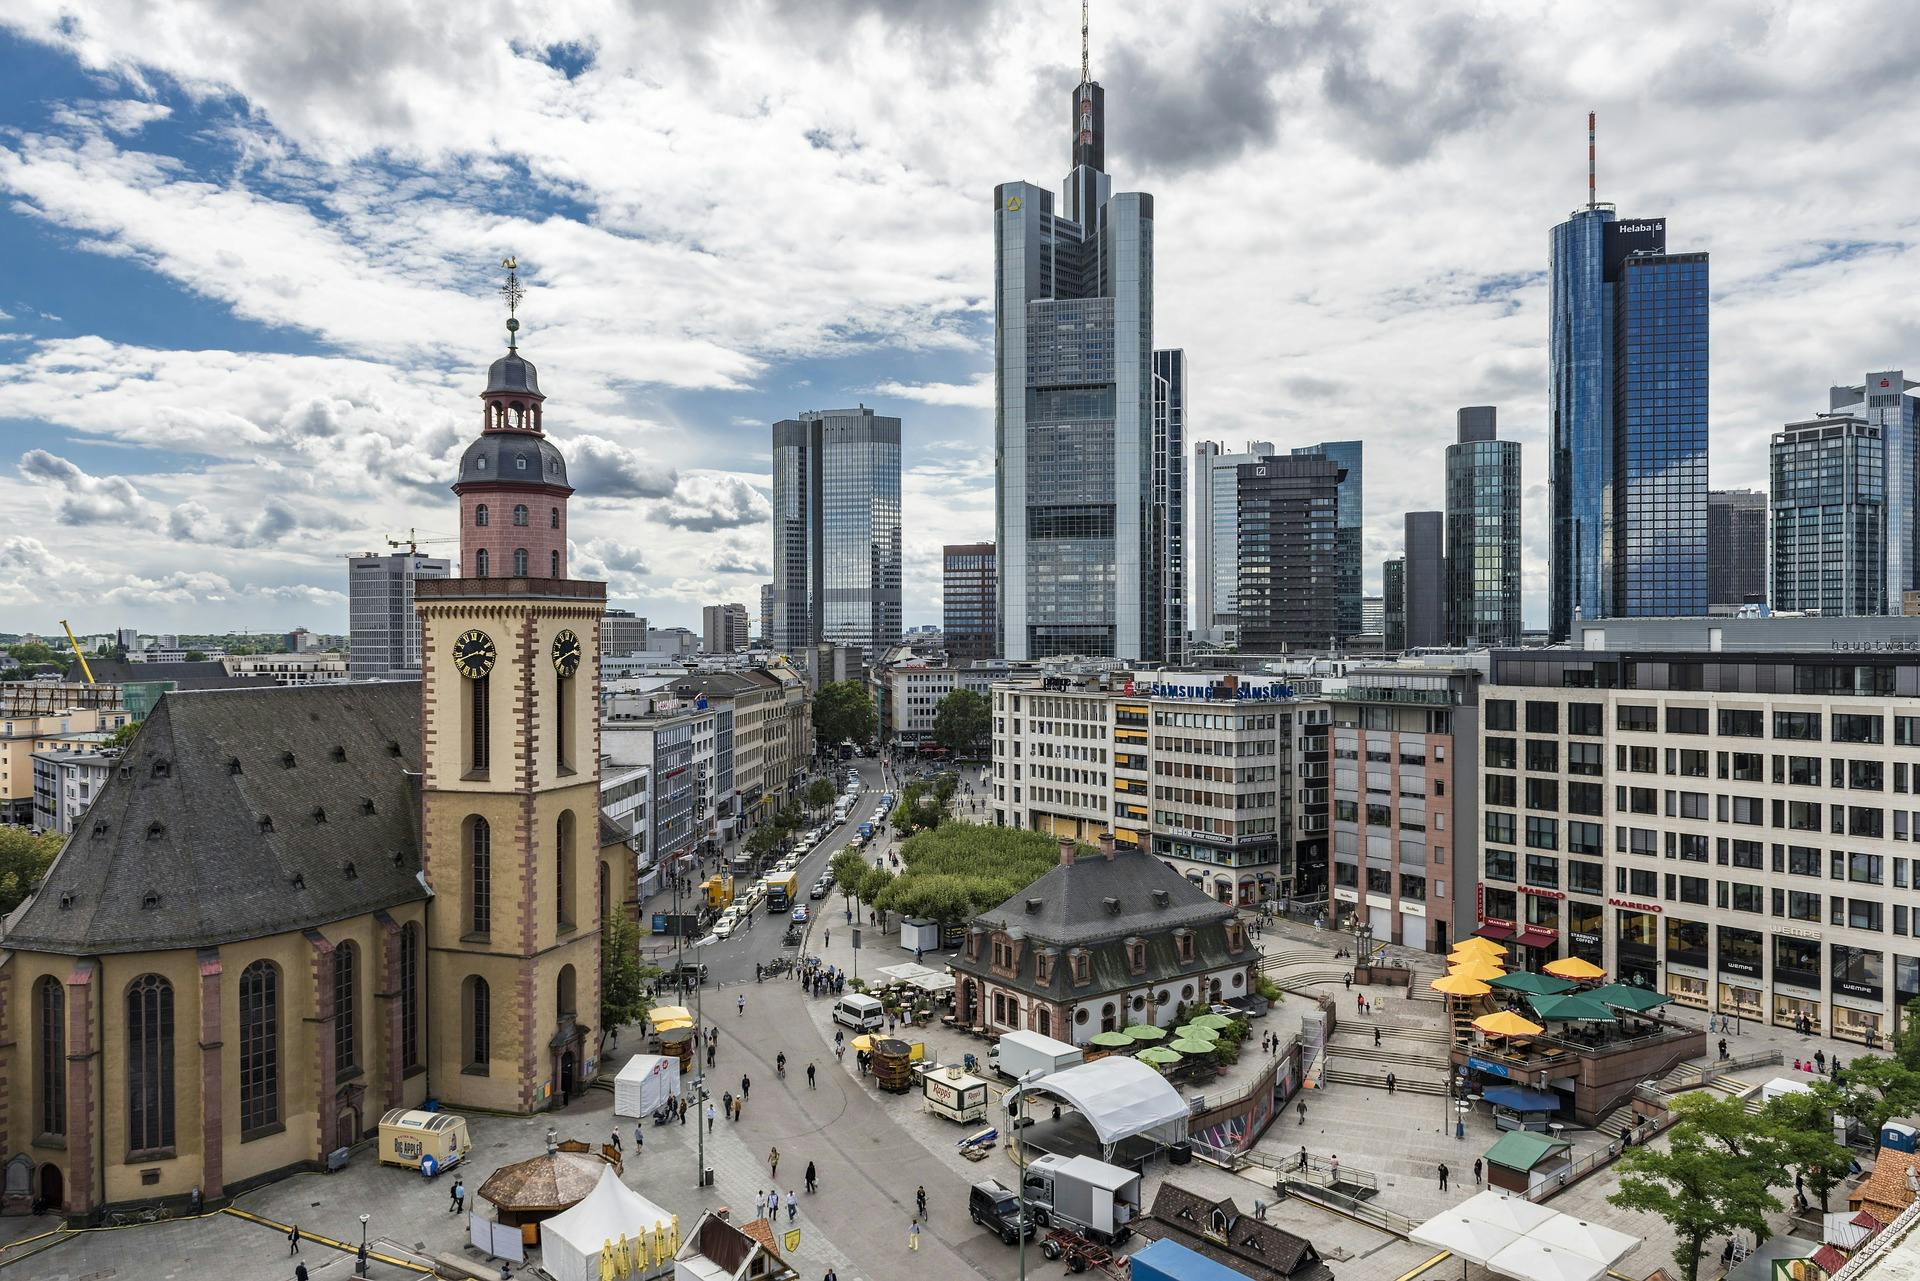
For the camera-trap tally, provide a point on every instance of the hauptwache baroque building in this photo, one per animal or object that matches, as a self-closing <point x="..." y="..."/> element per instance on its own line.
<point x="291" y="909"/>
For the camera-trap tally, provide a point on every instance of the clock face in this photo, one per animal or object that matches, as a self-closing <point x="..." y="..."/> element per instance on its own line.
<point x="566" y="652"/>
<point x="473" y="653"/>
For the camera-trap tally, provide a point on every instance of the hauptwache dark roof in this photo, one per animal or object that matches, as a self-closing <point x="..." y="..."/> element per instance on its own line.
<point x="238" y="814"/>
<point x="1255" y="1249"/>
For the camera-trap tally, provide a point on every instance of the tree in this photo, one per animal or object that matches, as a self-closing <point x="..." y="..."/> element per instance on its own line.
<point x="1698" y="1189"/>
<point x="1801" y="1125"/>
<point x="39" y="654"/>
<point x="961" y="721"/>
<point x="196" y="656"/>
<point x="873" y="886"/>
<point x="843" y="710"/>
<point x="623" y="980"/>
<point x="24" y="859"/>
<point x="1873" y="1090"/>
<point x="1906" y="1036"/>
<point x="848" y="866"/>
<point x="821" y="794"/>
<point x="123" y="736"/>
<point x="762" y="839"/>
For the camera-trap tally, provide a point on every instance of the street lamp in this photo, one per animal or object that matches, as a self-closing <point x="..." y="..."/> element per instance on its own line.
<point x="1019" y="1167"/>
<point x="360" y="1264"/>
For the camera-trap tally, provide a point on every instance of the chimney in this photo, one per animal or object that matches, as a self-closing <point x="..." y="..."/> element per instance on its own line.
<point x="1106" y="844"/>
<point x="1066" y="851"/>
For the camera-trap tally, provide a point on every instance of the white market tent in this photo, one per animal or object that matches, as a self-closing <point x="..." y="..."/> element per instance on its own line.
<point x="644" y="1084"/>
<point x="1518" y="1238"/>
<point x="1120" y="1097"/>
<point x="924" y="977"/>
<point x="570" y="1242"/>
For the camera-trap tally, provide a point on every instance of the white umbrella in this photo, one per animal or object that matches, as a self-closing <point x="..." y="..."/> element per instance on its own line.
<point x="1564" y="1232"/>
<point x="1469" y="1239"/>
<point x="1529" y="1260"/>
<point x="1515" y="1214"/>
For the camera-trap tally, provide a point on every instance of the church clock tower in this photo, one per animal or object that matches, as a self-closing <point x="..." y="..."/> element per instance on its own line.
<point x="511" y="790"/>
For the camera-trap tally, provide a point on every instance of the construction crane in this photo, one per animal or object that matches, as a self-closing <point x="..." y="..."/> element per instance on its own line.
<point x="413" y="542"/>
<point x="84" y="669"/>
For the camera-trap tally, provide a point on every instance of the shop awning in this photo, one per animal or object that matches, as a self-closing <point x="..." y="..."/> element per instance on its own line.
<point x="1625" y="996"/>
<point x="1519" y="1099"/>
<point x="1537" y="936"/>
<point x="1497" y="930"/>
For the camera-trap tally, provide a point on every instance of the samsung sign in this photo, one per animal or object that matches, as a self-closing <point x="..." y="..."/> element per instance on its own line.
<point x="1230" y="691"/>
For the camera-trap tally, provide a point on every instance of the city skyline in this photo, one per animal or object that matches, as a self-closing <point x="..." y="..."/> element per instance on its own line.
<point x="238" y="353"/>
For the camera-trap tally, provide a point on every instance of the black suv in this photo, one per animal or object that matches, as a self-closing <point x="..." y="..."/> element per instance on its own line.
<point x="995" y="1208"/>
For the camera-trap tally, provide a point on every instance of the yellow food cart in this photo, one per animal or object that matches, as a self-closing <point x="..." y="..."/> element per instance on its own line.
<point x="425" y="1141"/>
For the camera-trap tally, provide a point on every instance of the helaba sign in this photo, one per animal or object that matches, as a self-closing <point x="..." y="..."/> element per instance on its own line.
<point x="1643" y="228"/>
<point x="1229" y="690"/>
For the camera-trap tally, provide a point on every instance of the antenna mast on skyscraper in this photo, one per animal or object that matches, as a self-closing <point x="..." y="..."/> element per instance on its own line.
<point x="1085" y="72"/>
<point x="1591" y="201"/>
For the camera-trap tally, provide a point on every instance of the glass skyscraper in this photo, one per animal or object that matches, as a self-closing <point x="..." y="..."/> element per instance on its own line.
<point x="1882" y="400"/>
<point x="1082" y="568"/>
<point x="1830" y="543"/>
<point x="1214" y="543"/>
<point x="1483" y="533"/>
<point x="1169" y="509"/>
<point x="1627" y="429"/>
<point x="1350" y="531"/>
<point x="836" y="530"/>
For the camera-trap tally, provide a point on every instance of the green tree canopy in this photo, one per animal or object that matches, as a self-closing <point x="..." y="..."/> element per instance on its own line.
<point x="1712" y="1177"/>
<point x="848" y="866"/>
<point x="961" y="721"/>
<point x="623" y="980"/>
<point x="762" y="839"/>
<point x="195" y="656"/>
<point x="1906" y="1036"/>
<point x="24" y="859"/>
<point x="843" y="710"/>
<point x="821" y="793"/>
<point x="953" y="872"/>
<point x="123" y="736"/>
<point x="1801" y="1126"/>
<point x="1874" y="1090"/>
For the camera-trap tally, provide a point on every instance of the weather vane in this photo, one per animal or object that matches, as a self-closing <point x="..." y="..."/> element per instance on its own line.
<point x="513" y="293"/>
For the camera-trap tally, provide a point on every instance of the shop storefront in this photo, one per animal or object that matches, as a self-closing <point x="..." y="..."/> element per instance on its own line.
<point x="1637" y="948"/>
<point x="1851" y="1023"/>
<point x="1859" y="979"/>
<point x="1586" y="931"/>
<point x="1789" y="1010"/>
<point x="1685" y="989"/>
<point x="1740" y="1002"/>
<point x="1906" y="986"/>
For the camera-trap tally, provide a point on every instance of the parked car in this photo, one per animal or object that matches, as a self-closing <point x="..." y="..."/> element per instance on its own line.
<point x="820" y="890"/>
<point x="799" y="913"/>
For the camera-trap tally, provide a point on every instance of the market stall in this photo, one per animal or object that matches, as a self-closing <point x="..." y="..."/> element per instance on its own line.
<point x="646" y="1082"/>
<point x="612" y="1217"/>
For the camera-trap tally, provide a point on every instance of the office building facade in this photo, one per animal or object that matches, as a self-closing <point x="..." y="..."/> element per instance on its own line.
<point x="1736" y="549"/>
<point x="1483" y="532"/>
<point x="1350" y="523"/>
<point x="1882" y="401"/>
<point x="1074" y="430"/>
<point x="1169" y="511"/>
<point x="836" y="530"/>
<point x="622" y="632"/>
<point x="1425" y="584"/>
<point x="1830" y="538"/>
<point x="1627" y="421"/>
<point x="1393" y="601"/>
<point x="969" y="611"/>
<point x="384" y="633"/>
<point x="1290" y="556"/>
<point x="1214" y="539"/>
<point x="723" y="629"/>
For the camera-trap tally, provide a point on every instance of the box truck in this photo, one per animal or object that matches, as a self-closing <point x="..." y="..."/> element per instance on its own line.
<point x="1079" y="1192"/>
<point x="1019" y="1053"/>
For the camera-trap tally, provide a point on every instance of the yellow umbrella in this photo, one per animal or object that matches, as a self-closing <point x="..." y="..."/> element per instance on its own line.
<point x="863" y="1043"/>
<point x="1460" y="985"/>
<point x="1485" y="947"/>
<point x="608" y="1261"/>
<point x="1506" y="1023"/>
<point x="623" y="1256"/>
<point x="1572" y="967"/>
<point x="1485" y="971"/>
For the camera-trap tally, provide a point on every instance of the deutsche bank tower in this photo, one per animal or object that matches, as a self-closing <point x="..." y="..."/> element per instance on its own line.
<point x="1085" y="567"/>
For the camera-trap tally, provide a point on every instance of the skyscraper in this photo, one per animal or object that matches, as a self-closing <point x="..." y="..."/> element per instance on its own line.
<point x="384" y="633"/>
<point x="1215" y="537"/>
<point x="1169" y="529"/>
<point x="836" y="530"/>
<point x="1073" y="410"/>
<point x="1393" y="595"/>
<point x="1425" y="590"/>
<point x="968" y="616"/>
<point x="723" y="629"/>
<point x="1290" y="570"/>
<point x="1483" y="533"/>
<point x="1882" y="401"/>
<point x="1830" y="543"/>
<point x="1350" y="538"/>
<point x="1736" y="548"/>
<point x="766" y="613"/>
<point x="1627" y="419"/>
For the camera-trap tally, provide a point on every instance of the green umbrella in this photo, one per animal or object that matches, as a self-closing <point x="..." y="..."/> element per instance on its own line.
<point x="1576" y="1007"/>
<point x="1112" y="1040"/>
<point x="1216" y="1021"/>
<point x="1197" y="1032"/>
<point x="1533" y="984"/>
<point x="1145" y="1032"/>
<point x="1156" y="1054"/>
<point x="1189" y="1046"/>
<point x="1625" y="996"/>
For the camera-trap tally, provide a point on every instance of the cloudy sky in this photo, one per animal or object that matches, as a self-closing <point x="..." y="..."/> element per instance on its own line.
<point x="249" y="291"/>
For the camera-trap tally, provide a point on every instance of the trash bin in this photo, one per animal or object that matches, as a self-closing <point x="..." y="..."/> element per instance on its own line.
<point x="706" y="1177"/>
<point x="1180" y="1153"/>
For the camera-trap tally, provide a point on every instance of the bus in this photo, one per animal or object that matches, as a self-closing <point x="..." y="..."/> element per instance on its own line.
<point x="780" y="891"/>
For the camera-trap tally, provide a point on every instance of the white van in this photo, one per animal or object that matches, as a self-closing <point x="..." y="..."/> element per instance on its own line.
<point x="861" y="1013"/>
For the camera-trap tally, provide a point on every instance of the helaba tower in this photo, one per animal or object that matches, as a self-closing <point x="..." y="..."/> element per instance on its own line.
<point x="1085" y="565"/>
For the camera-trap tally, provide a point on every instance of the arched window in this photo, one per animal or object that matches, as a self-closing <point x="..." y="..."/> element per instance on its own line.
<point x="259" y="1046"/>
<point x="520" y="514"/>
<point x="553" y="564"/>
<point x="519" y="562"/>
<point x="563" y="871"/>
<point x="409" y="997"/>
<point x="476" y="1018"/>
<point x="553" y="518"/>
<point x="480" y="515"/>
<point x="346" y="1048"/>
<point x="480" y="563"/>
<point x="479" y="876"/>
<point x="149" y="1064"/>
<point x="564" y="1003"/>
<point x="50" y="1055"/>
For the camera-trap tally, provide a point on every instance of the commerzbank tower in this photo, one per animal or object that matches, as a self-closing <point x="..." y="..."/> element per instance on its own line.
<point x="1089" y="420"/>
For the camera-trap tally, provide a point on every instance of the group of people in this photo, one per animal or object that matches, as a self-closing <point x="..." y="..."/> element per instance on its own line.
<point x="820" y="979"/>
<point x="1819" y="1065"/>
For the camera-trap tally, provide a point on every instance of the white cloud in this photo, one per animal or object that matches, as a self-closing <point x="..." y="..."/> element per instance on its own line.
<point x="708" y="501"/>
<point x="82" y="499"/>
<point x="977" y="394"/>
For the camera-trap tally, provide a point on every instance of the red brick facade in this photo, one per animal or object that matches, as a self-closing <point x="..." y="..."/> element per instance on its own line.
<point x="544" y="534"/>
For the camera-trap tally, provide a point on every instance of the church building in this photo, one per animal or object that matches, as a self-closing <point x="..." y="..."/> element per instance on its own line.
<point x="291" y="909"/>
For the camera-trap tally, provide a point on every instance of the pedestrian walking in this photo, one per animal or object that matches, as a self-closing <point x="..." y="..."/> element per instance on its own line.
<point x="1349" y="982"/>
<point x="726" y="1102"/>
<point x="1359" y="1002"/>
<point x="793" y="1206"/>
<point x="810" y="1084"/>
<point x="743" y="1002"/>
<point x="459" y="1194"/>
<point x="1333" y="1171"/>
<point x="1443" y="1176"/>
<point x="299" y="1272"/>
<point x="746" y="1085"/>
<point x="737" y="1105"/>
<point x="453" y="1198"/>
<point x="617" y="1149"/>
<point x="812" y="1185"/>
<point x="913" y="1235"/>
<point x="920" y="1200"/>
<point x="1376" y="1038"/>
<point x="831" y="1275"/>
<point x="639" y="1140"/>
<point x="1390" y="1083"/>
<point x="773" y="1205"/>
<point x="773" y="1162"/>
<point x="1476" y="1172"/>
<point x="709" y="1116"/>
<point x="1303" y="1158"/>
<point x="293" y="1239"/>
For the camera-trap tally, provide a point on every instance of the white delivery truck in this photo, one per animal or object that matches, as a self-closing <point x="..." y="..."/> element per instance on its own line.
<point x="1019" y="1053"/>
<point x="1079" y="1192"/>
<point x="955" y="1094"/>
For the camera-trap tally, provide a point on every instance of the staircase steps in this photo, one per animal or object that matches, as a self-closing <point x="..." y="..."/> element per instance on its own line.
<point x="1616" y="1123"/>
<point x="1392" y="1031"/>
<point x="1369" y="1080"/>
<point x="1396" y="1059"/>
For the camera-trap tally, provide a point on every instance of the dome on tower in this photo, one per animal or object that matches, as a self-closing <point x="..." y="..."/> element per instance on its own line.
<point x="512" y="458"/>
<point x="512" y="372"/>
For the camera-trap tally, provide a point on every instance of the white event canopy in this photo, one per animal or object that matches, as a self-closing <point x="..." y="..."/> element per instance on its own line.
<point x="1120" y="1097"/>
<point x="1517" y="1238"/>
<point x="644" y="1084"/>
<point x="571" y="1241"/>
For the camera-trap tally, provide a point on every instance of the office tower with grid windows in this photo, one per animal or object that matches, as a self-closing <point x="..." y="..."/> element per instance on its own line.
<point x="968" y="618"/>
<point x="836" y="530"/>
<point x="1425" y="586"/>
<point x="1393" y="594"/>
<point x="1830" y="517"/>
<point x="1213" y="540"/>
<point x="1881" y="400"/>
<point x="1350" y="529"/>
<point x="1169" y="509"/>
<point x="1290" y="571"/>
<point x="383" y="632"/>
<point x="1483" y="533"/>
<point x="1736" y="549"/>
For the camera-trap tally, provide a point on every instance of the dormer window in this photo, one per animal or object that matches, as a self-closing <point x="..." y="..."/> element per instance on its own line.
<point x="319" y="814"/>
<point x="150" y="900"/>
<point x="366" y="805"/>
<point x="266" y="823"/>
<point x="233" y="765"/>
<point x="1078" y="961"/>
<point x="1236" y="935"/>
<point x="287" y="760"/>
<point x="521" y="462"/>
<point x="1136" y="956"/>
<point x="352" y="872"/>
<point x="156" y="830"/>
<point x="1043" y="969"/>
<point x="480" y="464"/>
<point x="162" y="769"/>
<point x="1183" y="946"/>
<point x="339" y="755"/>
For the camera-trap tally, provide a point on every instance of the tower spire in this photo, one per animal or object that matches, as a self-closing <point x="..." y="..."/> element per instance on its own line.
<point x="1591" y="199"/>
<point x="513" y="293"/>
<point x="1086" y="72"/>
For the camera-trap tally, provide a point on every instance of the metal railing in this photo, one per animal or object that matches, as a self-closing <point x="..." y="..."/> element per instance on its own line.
<point x="1579" y="1170"/>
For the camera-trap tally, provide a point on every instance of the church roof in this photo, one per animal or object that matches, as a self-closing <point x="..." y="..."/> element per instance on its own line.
<point x="512" y="458"/>
<point x="513" y="372"/>
<point x="240" y="813"/>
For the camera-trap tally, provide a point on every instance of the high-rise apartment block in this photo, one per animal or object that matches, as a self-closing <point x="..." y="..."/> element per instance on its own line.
<point x="1736" y="549"/>
<point x="1830" y="543"/>
<point x="1214" y="540"/>
<point x="1350" y="530"/>
<point x="1426" y="579"/>
<point x="1483" y="533"/>
<point x="1082" y="569"/>
<point x="1627" y="428"/>
<point x="723" y="629"/>
<point x="1169" y="503"/>
<point x="836" y="530"/>
<point x="969" y="618"/>
<point x="1290" y="558"/>
<point x="384" y="632"/>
